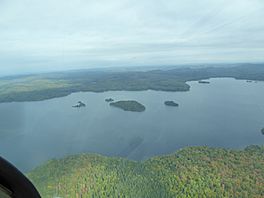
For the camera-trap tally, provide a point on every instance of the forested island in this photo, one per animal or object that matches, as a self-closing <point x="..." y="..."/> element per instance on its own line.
<point x="129" y="105"/>
<point x="189" y="172"/>
<point x="51" y="85"/>
<point x="109" y="100"/>
<point x="79" y="105"/>
<point x="171" y="103"/>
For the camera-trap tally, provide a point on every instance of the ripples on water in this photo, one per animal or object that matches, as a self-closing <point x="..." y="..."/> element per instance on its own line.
<point x="225" y="113"/>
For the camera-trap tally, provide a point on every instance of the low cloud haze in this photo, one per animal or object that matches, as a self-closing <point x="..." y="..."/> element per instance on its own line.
<point x="48" y="35"/>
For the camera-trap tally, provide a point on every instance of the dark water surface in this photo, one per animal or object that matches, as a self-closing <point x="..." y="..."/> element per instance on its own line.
<point x="225" y="113"/>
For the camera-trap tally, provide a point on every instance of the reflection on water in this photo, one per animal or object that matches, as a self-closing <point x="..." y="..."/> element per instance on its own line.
<point x="225" y="113"/>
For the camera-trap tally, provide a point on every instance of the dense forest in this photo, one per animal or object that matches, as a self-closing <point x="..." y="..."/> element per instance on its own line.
<point x="129" y="105"/>
<point x="45" y="86"/>
<point x="190" y="172"/>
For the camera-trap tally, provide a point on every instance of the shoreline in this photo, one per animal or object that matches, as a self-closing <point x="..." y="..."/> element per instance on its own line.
<point x="60" y="95"/>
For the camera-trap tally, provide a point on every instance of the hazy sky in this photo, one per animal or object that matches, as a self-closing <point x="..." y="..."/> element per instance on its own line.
<point x="38" y="35"/>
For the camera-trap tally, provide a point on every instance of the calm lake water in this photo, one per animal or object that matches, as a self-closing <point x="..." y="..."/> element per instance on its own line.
<point x="225" y="113"/>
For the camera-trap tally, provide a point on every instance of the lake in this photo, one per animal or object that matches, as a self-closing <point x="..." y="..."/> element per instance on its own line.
<point x="226" y="113"/>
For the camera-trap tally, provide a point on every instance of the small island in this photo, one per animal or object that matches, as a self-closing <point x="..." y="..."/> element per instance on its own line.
<point x="203" y="82"/>
<point x="262" y="131"/>
<point x="109" y="100"/>
<point x="129" y="105"/>
<point x="171" y="103"/>
<point x="79" y="105"/>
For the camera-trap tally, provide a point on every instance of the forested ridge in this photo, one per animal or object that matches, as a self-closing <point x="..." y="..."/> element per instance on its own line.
<point x="51" y="85"/>
<point x="189" y="172"/>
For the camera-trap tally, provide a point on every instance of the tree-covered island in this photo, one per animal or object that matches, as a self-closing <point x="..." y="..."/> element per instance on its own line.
<point x="171" y="103"/>
<point x="109" y="100"/>
<point x="79" y="105"/>
<point x="129" y="105"/>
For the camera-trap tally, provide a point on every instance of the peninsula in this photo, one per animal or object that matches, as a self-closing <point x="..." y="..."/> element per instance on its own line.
<point x="203" y="82"/>
<point x="189" y="172"/>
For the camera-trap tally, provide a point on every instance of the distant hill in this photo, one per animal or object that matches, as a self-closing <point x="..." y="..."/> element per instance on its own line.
<point x="190" y="172"/>
<point x="51" y="85"/>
